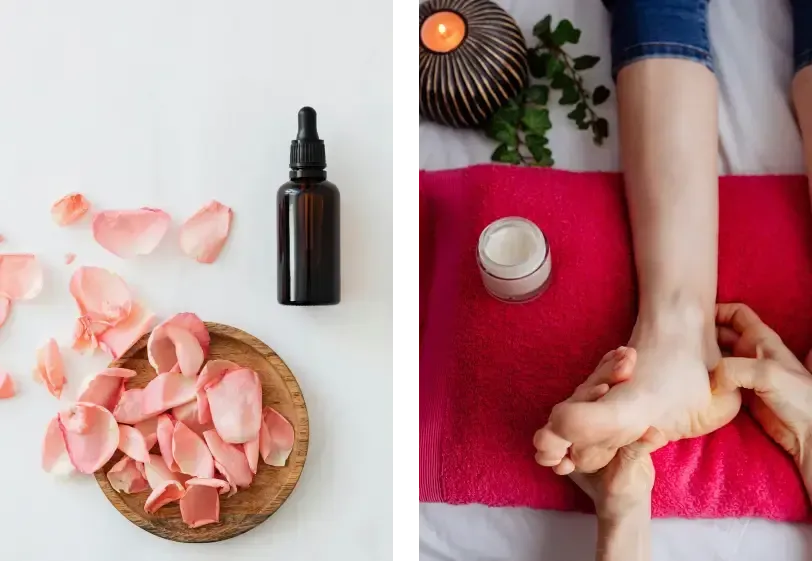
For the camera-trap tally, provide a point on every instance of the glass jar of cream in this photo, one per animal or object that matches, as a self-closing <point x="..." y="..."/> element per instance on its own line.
<point x="514" y="259"/>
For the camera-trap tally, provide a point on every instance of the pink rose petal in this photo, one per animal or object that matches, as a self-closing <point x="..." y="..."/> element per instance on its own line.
<point x="191" y="453"/>
<point x="20" y="276"/>
<point x="91" y="435"/>
<point x="69" y="209"/>
<point x="275" y="438"/>
<point x="125" y="477"/>
<point x="251" y="449"/>
<point x="213" y="371"/>
<point x="192" y="323"/>
<point x="130" y="407"/>
<point x="106" y="387"/>
<point x="50" y="369"/>
<point x="132" y="443"/>
<point x="86" y="335"/>
<point x="128" y="233"/>
<point x="236" y="405"/>
<point x="232" y="485"/>
<point x="230" y="460"/>
<point x="188" y="414"/>
<point x="7" y="388"/>
<point x="55" y="457"/>
<point x="103" y="297"/>
<point x="172" y="349"/>
<point x="5" y="309"/>
<point x="168" y="492"/>
<point x="165" y="430"/>
<point x="166" y="391"/>
<point x="69" y="258"/>
<point x="201" y="503"/>
<point x="157" y="473"/>
<point x="203" y="235"/>
<point x="149" y="429"/>
<point x="118" y="339"/>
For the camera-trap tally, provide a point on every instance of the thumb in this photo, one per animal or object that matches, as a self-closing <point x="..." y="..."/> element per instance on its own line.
<point x="737" y="372"/>
<point x="651" y="441"/>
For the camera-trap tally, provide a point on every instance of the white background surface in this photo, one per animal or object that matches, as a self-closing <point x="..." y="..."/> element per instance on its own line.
<point x="752" y="49"/>
<point x="170" y="104"/>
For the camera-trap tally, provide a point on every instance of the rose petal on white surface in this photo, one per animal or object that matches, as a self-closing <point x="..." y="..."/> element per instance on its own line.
<point x="69" y="258"/>
<point x="191" y="453"/>
<point x="102" y="296"/>
<point x="167" y="492"/>
<point x="55" y="459"/>
<point x="276" y="438"/>
<point x="188" y="415"/>
<point x="89" y="449"/>
<point x="5" y="309"/>
<point x="20" y="276"/>
<point x="213" y="371"/>
<point x="130" y="407"/>
<point x="106" y="387"/>
<point x="7" y="388"/>
<point x="229" y="460"/>
<point x="251" y="449"/>
<point x="128" y="233"/>
<point x="125" y="477"/>
<point x="203" y="235"/>
<point x="236" y="405"/>
<point x="192" y="323"/>
<point x="118" y="339"/>
<point x="50" y="369"/>
<point x="132" y="443"/>
<point x="69" y="209"/>
<point x="149" y="430"/>
<point x="166" y="391"/>
<point x="86" y="335"/>
<point x="174" y="349"/>
<point x="201" y="504"/>
<point x="165" y="429"/>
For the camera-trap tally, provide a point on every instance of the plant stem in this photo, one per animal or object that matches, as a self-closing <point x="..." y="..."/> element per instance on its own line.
<point x="562" y="55"/>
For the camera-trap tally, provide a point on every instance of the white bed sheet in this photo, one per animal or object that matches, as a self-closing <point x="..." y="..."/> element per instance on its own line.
<point x="752" y="48"/>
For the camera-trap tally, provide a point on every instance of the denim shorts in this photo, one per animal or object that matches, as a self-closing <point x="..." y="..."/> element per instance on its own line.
<point x="679" y="29"/>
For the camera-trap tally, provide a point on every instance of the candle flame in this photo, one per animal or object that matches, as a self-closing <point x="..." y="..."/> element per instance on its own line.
<point x="442" y="29"/>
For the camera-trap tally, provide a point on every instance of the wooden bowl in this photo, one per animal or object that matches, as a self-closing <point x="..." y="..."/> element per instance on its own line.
<point x="464" y="87"/>
<point x="271" y="486"/>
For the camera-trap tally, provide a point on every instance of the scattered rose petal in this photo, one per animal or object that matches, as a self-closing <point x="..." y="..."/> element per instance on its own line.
<point x="118" y="339"/>
<point x="92" y="445"/>
<point x="106" y="387"/>
<point x="172" y="349"/>
<point x="203" y="409"/>
<point x="230" y="460"/>
<point x="201" y="503"/>
<point x="130" y="407"/>
<point x="275" y="438"/>
<point x="2" y="238"/>
<point x="157" y="473"/>
<point x="166" y="391"/>
<point x="236" y="405"/>
<point x="20" y="276"/>
<point x="251" y="449"/>
<point x="55" y="459"/>
<point x="191" y="453"/>
<point x="212" y="371"/>
<point x="203" y="235"/>
<point x="128" y="233"/>
<point x="85" y="335"/>
<point x="132" y="443"/>
<point x="7" y="388"/>
<point x="50" y="369"/>
<point x="232" y="485"/>
<point x="168" y="492"/>
<point x="70" y="258"/>
<point x="5" y="309"/>
<point x="103" y="297"/>
<point x="69" y="209"/>
<point x="149" y="429"/>
<point x="125" y="477"/>
<point x="165" y="430"/>
<point x="192" y="323"/>
<point x="189" y="416"/>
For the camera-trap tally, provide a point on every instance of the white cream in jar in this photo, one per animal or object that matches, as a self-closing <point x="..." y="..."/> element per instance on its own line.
<point x="514" y="259"/>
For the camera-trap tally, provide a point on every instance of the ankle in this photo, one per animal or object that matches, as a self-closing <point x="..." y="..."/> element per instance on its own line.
<point x="686" y="327"/>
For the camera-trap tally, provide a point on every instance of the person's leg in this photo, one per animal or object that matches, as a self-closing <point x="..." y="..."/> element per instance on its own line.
<point x="802" y="83"/>
<point x="667" y="100"/>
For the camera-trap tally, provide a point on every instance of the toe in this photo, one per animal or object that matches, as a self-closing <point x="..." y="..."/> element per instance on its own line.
<point x="566" y="467"/>
<point x="549" y="445"/>
<point x="593" y="458"/>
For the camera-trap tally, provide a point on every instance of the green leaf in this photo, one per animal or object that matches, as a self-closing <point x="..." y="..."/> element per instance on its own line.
<point x="600" y="95"/>
<point x="506" y="155"/>
<point x="538" y="61"/>
<point x="538" y="94"/>
<point x="565" y="33"/>
<point x="579" y="115"/>
<point x="561" y="81"/>
<point x="542" y="28"/>
<point x="554" y="67"/>
<point x="600" y="130"/>
<point x="510" y="113"/>
<point x="545" y="158"/>
<point x="537" y="120"/>
<point x="537" y="145"/>
<point x="502" y="131"/>
<point x="585" y="62"/>
<point x="570" y="95"/>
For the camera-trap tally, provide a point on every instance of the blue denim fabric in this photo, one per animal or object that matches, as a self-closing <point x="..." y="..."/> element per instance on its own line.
<point x="678" y="29"/>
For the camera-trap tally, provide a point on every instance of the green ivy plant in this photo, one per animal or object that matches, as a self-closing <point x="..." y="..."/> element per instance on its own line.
<point x="521" y="125"/>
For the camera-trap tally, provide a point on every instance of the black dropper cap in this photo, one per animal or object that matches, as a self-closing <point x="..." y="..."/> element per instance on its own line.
<point x="307" y="157"/>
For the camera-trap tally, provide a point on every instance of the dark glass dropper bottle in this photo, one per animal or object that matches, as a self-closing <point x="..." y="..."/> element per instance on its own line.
<point x="307" y="207"/>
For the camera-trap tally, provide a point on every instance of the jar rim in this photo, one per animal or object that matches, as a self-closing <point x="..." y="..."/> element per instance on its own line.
<point x="537" y="258"/>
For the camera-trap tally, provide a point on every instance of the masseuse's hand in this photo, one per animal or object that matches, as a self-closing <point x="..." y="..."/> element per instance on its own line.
<point x="782" y="384"/>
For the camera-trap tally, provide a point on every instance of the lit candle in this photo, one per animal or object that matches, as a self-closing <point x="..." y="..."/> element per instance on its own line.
<point x="442" y="32"/>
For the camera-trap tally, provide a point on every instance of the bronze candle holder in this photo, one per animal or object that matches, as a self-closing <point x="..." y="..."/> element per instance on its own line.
<point x="473" y="59"/>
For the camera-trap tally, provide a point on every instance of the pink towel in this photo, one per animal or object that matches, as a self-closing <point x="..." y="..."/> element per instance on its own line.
<point x="490" y="372"/>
